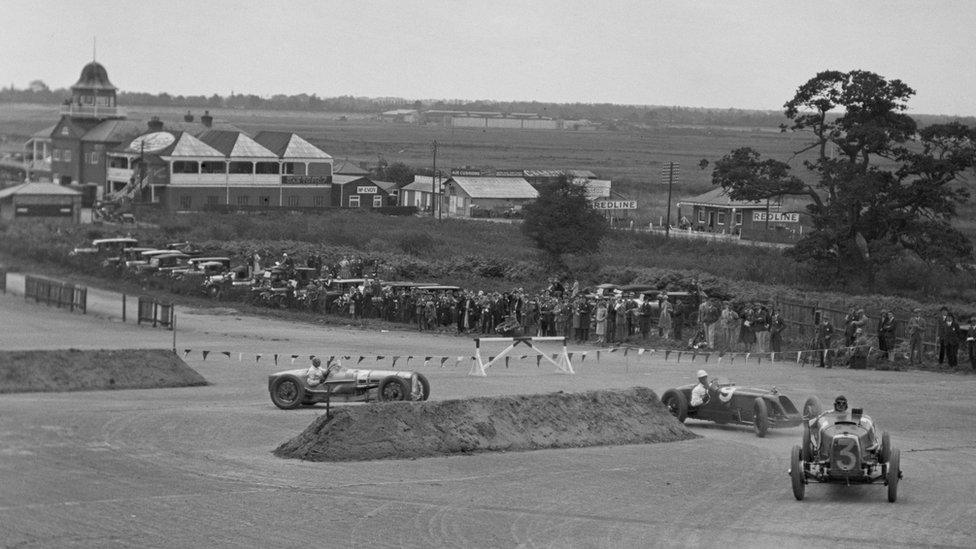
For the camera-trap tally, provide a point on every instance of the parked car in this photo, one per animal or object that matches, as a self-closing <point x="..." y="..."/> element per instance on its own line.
<point x="763" y="409"/>
<point x="106" y="246"/>
<point x="290" y="389"/>
<point x="844" y="448"/>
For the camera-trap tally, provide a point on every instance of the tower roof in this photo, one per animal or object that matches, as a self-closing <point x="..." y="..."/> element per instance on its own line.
<point x="94" y="77"/>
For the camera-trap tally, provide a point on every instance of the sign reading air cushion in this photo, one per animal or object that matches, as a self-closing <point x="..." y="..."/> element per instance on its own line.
<point x="615" y="205"/>
<point x="43" y="210"/>
<point x="366" y="189"/>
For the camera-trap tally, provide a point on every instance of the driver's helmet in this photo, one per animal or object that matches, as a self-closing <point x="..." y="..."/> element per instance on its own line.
<point x="316" y="362"/>
<point x="840" y="404"/>
<point x="701" y="374"/>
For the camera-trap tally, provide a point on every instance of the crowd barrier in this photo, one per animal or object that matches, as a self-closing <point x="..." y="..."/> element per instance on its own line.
<point x="160" y="313"/>
<point x="55" y="292"/>
<point x="3" y="281"/>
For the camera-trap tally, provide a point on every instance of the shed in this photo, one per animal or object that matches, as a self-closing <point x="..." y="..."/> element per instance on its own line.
<point x="465" y="196"/>
<point x="716" y="212"/>
<point x="352" y="191"/>
<point x="40" y="201"/>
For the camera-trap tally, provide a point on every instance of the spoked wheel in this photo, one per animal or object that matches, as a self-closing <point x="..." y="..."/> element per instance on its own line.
<point x="796" y="474"/>
<point x="894" y="475"/>
<point x="885" y="455"/>
<point x="393" y="388"/>
<point x="761" y="422"/>
<point x="287" y="393"/>
<point x="424" y="386"/>
<point x="676" y="403"/>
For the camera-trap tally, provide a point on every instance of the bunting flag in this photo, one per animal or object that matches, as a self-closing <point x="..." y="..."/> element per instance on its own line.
<point x="582" y="357"/>
<point x="707" y="356"/>
<point x="613" y="349"/>
<point x="798" y="353"/>
<point x="186" y="353"/>
<point x="257" y="358"/>
<point x="346" y="357"/>
<point x="506" y="361"/>
<point x="458" y="361"/>
<point x="694" y="355"/>
<point x="538" y="360"/>
<point x="523" y="357"/>
<point x="639" y="351"/>
<point x="225" y="353"/>
<point x="667" y="353"/>
<point x="407" y="363"/>
<point x="427" y="362"/>
<point x="360" y="359"/>
<point x="719" y="361"/>
<point x="758" y="359"/>
<point x="379" y="357"/>
<point x="395" y="359"/>
<point x="276" y="359"/>
<point x="625" y="350"/>
<point x="205" y="353"/>
<point x="570" y="357"/>
<point x="598" y="356"/>
<point x="679" y="356"/>
<point x="443" y="360"/>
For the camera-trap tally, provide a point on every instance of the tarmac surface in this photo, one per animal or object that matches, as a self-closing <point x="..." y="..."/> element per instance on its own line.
<point x="192" y="467"/>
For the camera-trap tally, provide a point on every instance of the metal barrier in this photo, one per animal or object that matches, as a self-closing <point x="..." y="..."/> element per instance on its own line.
<point x="160" y="313"/>
<point x="3" y="281"/>
<point x="55" y="292"/>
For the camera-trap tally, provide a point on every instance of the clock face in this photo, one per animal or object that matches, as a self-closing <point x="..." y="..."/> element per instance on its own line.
<point x="152" y="141"/>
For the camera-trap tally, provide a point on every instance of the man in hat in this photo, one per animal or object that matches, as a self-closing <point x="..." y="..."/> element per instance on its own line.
<point x="971" y="341"/>
<point x="915" y="329"/>
<point x="699" y="395"/>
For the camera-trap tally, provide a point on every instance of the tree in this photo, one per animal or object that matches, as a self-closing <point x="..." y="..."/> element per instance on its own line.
<point x="562" y="221"/>
<point x="398" y="173"/>
<point x="880" y="188"/>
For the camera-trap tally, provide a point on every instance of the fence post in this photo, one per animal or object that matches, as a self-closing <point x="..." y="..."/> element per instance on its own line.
<point x="123" y="308"/>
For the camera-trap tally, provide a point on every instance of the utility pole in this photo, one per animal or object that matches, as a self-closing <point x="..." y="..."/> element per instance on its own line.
<point x="669" y="171"/>
<point x="433" y="180"/>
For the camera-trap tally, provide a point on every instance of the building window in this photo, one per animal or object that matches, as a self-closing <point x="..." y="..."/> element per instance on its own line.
<point x="65" y="130"/>
<point x="211" y="166"/>
<point x="243" y="200"/>
<point x="721" y="218"/>
<point x="267" y="168"/>
<point x="118" y="162"/>
<point x="67" y="155"/>
<point x="377" y="201"/>
<point x="319" y="201"/>
<point x="186" y="166"/>
<point x="320" y="168"/>
<point x="213" y="200"/>
<point x="293" y="201"/>
<point x="354" y="201"/>
<point x="56" y="155"/>
<point x="293" y="168"/>
<point x="241" y="167"/>
<point x="738" y="218"/>
<point x="701" y="215"/>
<point x="185" y="202"/>
<point x="94" y="157"/>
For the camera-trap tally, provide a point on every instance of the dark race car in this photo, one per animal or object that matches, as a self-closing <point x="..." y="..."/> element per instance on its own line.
<point x="763" y="409"/>
<point x="291" y="389"/>
<point x="844" y="448"/>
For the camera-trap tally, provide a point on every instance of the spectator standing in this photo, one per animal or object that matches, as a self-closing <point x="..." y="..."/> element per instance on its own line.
<point x="971" y="341"/>
<point x="679" y="316"/>
<point x="886" y="333"/>
<point x="776" y="327"/>
<point x="953" y="336"/>
<point x="822" y="337"/>
<point x="915" y="329"/>
<point x="664" y="318"/>
<point x="621" y="320"/>
<point x="859" y="350"/>
<point x="601" y="322"/>
<point x="611" y="335"/>
<point x="585" y="313"/>
<point x="644" y="318"/>
<point x="760" y="326"/>
<point x="726" y="336"/>
<point x="940" y="333"/>
<point x="747" y="336"/>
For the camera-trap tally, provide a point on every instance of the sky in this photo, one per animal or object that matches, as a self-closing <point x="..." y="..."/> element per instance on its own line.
<point x="747" y="54"/>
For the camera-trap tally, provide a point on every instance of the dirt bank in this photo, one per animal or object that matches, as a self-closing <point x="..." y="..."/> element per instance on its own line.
<point x="485" y="424"/>
<point x="75" y="370"/>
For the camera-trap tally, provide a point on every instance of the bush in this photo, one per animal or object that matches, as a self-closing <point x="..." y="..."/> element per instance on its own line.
<point x="416" y="244"/>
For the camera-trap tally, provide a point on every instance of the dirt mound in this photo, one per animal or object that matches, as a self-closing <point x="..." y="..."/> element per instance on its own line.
<point x="74" y="370"/>
<point x="506" y="423"/>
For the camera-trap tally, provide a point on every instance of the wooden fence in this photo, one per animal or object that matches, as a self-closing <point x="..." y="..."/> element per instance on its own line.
<point x="55" y="292"/>
<point x="160" y="313"/>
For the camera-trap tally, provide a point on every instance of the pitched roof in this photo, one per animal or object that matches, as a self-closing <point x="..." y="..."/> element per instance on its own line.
<point x="36" y="188"/>
<point x="348" y="168"/>
<point x="387" y="186"/>
<point x="114" y="131"/>
<point x="421" y="183"/>
<point x="290" y="145"/>
<point x="235" y="144"/>
<point x="720" y="198"/>
<point x="46" y="132"/>
<point x="495" y="187"/>
<point x="181" y="144"/>
<point x="595" y="188"/>
<point x="342" y="179"/>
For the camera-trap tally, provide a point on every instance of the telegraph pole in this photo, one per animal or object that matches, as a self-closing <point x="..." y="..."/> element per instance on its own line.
<point x="669" y="171"/>
<point x="433" y="180"/>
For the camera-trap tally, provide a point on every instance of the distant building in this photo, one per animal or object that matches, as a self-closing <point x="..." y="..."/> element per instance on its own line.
<point x="463" y="196"/>
<point x="35" y="200"/>
<point x="419" y="193"/>
<point x="402" y="116"/>
<point x="359" y="191"/>
<point x="482" y="119"/>
<point x="780" y="218"/>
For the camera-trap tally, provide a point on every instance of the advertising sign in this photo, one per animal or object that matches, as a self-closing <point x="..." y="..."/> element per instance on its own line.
<point x="305" y="180"/>
<point x="366" y="189"/>
<point x="776" y="217"/>
<point x="615" y="204"/>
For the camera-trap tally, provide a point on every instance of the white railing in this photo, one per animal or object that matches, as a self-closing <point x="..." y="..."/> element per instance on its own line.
<point x="91" y="111"/>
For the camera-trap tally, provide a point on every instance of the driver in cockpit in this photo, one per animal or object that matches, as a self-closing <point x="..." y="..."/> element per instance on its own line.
<point x="699" y="395"/>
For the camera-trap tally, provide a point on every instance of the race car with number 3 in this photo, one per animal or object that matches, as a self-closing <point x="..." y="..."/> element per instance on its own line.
<point x="844" y="448"/>
<point x="763" y="409"/>
<point x="291" y="388"/>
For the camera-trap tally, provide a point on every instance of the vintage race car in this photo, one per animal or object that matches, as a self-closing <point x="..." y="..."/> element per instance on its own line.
<point x="764" y="409"/>
<point x="290" y="389"/>
<point x="844" y="448"/>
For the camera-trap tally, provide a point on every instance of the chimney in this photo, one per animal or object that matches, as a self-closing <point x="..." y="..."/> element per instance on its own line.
<point x="155" y="124"/>
<point x="188" y="117"/>
<point x="206" y="119"/>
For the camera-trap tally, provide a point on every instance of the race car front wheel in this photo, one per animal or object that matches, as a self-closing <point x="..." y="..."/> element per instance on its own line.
<point x="676" y="403"/>
<point x="761" y="421"/>
<point x="796" y="474"/>
<point x="424" y="386"/>
<point x="393" y="388"/>
<point x="287" y="393"/>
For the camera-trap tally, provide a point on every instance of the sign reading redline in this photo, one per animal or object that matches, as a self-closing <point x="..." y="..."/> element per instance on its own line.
<point x="777" y="217"/>
<point x="615" y="204"/>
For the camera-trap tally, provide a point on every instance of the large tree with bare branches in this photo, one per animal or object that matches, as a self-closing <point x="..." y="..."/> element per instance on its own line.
<point x="880" y="187"/>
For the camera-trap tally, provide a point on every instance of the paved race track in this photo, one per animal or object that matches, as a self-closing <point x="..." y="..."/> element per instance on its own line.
<point x="192" y="467"/>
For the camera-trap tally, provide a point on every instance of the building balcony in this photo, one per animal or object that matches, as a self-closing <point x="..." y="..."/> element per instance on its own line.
<point x="40" y="165"/>
<point x="92" y="111"/>
<point x="118" y="174"/>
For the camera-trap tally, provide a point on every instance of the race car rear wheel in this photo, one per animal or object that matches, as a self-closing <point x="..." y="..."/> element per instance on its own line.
<point x="761" y="421"/>
<point x="424" y="386"/>
<point x="393" y="388"/>
<point x="806" y="453"/>
<point x="812" y="408"/>
<point x="885" y="454"/>
<point x="796" y="474"/>
<point x="894" y="474"/>
<point x="287" y="393"/>
<point x="676" y="403"/>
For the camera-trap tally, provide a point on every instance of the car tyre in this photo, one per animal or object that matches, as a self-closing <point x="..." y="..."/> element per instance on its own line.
<point x="393" y="388"/>
<point x="796" y="474"/>
<point x="806" y="453"/>
<point x="287" y="392"/>
<point x="424" y="386"/>
<point x="885" y="453"/>
<point x="812" y="408"/>
<point x="894" y="474"/>
<point x="676" y="403"/>
<point x="761" y="420"/>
